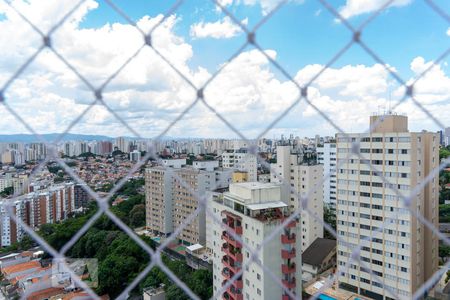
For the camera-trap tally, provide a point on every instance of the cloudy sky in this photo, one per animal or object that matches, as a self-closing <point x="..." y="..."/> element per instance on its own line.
<point x="198" y="39"/>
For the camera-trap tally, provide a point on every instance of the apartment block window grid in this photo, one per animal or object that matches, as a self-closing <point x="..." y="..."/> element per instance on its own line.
<point x="357" y="40"/>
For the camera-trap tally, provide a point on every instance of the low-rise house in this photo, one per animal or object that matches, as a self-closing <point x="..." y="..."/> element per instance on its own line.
<point x="317" y="258"/>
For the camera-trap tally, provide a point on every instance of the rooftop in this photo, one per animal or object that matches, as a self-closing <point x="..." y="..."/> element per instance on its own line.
<point x="254" y="185"/>
<point x="318" y="251"/>
<point x="21" y="267"/>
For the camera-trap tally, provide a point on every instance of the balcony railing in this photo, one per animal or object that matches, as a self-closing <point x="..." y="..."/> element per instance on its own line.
<point x="287" y="254"/>
<point x="233" y="253"/>
<point x="290" y="284"/>
<point x="287" y="239"/>
<point x="288" y="269"/>
<point x="230" y="240"/>
<point x="290" y="224"/>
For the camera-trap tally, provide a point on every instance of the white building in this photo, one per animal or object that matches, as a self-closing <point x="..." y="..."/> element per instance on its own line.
<point x="135" y="155"/>
<point x="305" y="180"/>
<point x="241" y="160"/>
<point x="326" y="156"/>
<point x="11" y="231"/>
<point x="253" y="211"/>
<point x="405" y="253"/>
<point x="446" y="136"/>
<point x="122" y="144"/>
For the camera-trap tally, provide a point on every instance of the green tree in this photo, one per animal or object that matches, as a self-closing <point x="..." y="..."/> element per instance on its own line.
<point x="444" y="153"/>
<point x="173" y="292"/>
<point x="137" y="216"/>
<point x="7" y="191"/>
<point x="444" y="251"/>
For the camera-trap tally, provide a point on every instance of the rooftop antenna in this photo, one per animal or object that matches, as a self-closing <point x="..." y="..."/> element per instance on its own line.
<point x="389" y="99"/>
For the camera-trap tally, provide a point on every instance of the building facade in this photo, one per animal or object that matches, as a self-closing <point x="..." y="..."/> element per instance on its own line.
<point x="241" y="160"/>
<point x="395" y="245"/>
<point x="252" y="211"/>
<point x="326" y="156"/>
<point x="304" y="180"/>
<point x="172" y="196"/>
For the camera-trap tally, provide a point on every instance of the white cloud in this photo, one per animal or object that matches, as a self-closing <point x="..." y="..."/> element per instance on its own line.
<point x="448" y="32"/>
<point x="148" y="94"/>
<point x="221" y="29"/>
<point x="357" y="7"/>
<point x="268" y="5"/>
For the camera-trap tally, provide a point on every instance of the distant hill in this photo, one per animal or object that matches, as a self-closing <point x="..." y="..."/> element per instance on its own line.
<point x="29" y="138"/>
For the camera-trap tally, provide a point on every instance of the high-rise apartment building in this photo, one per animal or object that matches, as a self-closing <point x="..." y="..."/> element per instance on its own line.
<point x="252" y="211"/>
<point x="395" y="245"/>
<point x="170" y="197"/>
<point x="81" y="196"/>
<point x="446" y="137"/>
<point x="135" y="156"/>
<point x="241" y="160"/>
<point x="326" y="156"/>
<point x="122" y="144"/>
<point x="49" y="205"/>
<point x="304" y="180"/>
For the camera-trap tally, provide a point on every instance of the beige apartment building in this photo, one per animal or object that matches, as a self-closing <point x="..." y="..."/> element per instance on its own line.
<point x="395" y="245"/>
<point x="171" y="197"/>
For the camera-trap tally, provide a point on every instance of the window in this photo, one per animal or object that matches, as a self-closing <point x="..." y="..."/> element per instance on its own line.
<point x="365" y="280"/>
<point x="390" y="139"/>
<point x="377" y="262"/>
<point x="259" y="292"/>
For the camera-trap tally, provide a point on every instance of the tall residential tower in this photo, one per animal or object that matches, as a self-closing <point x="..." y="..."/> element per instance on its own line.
<point x="395" y="245"/>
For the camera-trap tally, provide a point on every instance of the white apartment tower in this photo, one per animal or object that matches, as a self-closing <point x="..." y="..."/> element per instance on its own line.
<point x="253" y="210"/>
<point x="305" y="180"/>
<point x="326" y="156"/>
<point x="395" y="245"/>
<point x="241" y="160"/>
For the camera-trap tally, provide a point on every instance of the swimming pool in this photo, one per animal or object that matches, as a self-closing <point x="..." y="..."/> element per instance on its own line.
<point x="156" y="239"/>
<point x="326" y="297"/>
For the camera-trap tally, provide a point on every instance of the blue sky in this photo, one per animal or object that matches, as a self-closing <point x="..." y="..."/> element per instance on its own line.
<point x="302" y="36"/>
<point x="303" y="33"/>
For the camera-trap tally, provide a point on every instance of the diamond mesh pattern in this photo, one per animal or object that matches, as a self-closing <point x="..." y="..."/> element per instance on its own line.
<point x="251" y="40"/>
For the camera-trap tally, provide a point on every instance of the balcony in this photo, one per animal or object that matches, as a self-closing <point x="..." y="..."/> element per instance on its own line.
<point x="238" y="230"/>
<point x="235" y="294"/>
<point x="226" y="236"/>
<point x="286" y="297"/>
<point x="288" y="269"/>
<point x="290" y="284"/>
<point x="227" y="273"/>
<point x="288" y="254"/>
<point x="230" y="265"/>
<point x="239" y="284"/>
<point x="290" y="224"/>
<point x="287" y="239"/>
<point x="233" y="253"/>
